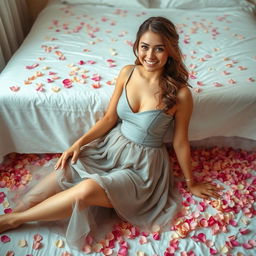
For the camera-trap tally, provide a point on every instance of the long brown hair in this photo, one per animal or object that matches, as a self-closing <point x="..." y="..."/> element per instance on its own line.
<point x="175" y="74"/>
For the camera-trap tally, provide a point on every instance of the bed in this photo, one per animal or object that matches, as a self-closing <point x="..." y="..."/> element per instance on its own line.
<point x="58" y="84"/>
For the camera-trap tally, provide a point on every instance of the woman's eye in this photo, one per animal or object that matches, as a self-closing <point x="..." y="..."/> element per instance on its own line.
<point x="144" y="47"/>
<point x="159" y="49"/>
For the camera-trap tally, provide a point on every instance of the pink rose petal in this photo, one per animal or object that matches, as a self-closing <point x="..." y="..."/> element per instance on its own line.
<point x="251" y="79"/>
<point x="244" y="231"/>
<point x="32" y="66"/>
<point x="143" y="240"/>
<point x="156" y="236"/>
<point x="234" y="242"/>
<point x="14" y="88"/>
<point x="217" y="84"/>
<point x="36" y="245"/>
<point x="96" y="85"/>
<point x="38" y="238"/>
<point x="91" y="62"/>
<point x="67" y="83"/>
<point x="7" y="210"/>
<point x="201" y="237"/>
<point x="252" y="242"/>
<point x="123" y="251"/>
<point x="96" y="77"/>
<point x="247" y="246"/>
<point x="81" y="62"/>
<point x="233" y="223"/>
<point x="231" y="81"/>
<point x="5" y="239"/>
<point x="213" y="251"/>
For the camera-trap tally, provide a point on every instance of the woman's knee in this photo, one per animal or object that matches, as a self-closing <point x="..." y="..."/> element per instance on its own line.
<point x="85" y="189"/>
<point x="89" y="193"/>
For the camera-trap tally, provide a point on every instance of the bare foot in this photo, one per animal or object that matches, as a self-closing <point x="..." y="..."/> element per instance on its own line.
<point x="8" y="221"/>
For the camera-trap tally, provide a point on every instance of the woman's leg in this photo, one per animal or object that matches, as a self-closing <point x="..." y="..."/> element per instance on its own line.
<point x="47" y="187"/>
<point x="59" y="206"/>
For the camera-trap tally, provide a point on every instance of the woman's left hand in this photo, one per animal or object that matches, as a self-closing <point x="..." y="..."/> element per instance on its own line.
<point x="205" y="190"/>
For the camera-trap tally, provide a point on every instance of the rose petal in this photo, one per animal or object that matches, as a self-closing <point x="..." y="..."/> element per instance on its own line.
<point x="209" y="243"/>
<point x="8" y="210"/>
<point x="36" y="245"/>
<point x="224" y="249"/>
<point x="66" y="254"/>
<point x="107" y="251"/>
<point x="123" y="251"/>
<point x="10" y="253"/>
<point x="87" y="249"/>
<point x="252" y="242"/>
<point x="201" y="237"/>
<point x="22" y="243"/>
<point x="38" y="238"/>
<point x="244" y="231"/>
<point x="59" y="243"/>
<point x="14" y="88"/>
<point x="247" y="246"/>
<point x="32" y="66"/>
<point x="5" y="239"/>
<point x="213" y="251"/>
<point x="156" y="236"/>
<point x="143" y="240"/>
<point x="233" y="223"/>
<point x="67" y="83"/>
<point x="55" y="88"/>
<point x="96" y="85"/>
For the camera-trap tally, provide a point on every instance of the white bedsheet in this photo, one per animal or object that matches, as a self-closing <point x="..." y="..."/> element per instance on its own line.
<point x="75" y="42"/>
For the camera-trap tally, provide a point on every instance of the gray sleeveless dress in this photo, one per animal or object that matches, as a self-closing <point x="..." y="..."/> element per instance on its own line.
<point x="131" y="163"/>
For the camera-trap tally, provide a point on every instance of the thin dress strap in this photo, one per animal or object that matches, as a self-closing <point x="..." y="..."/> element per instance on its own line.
<point x="128" y="79"/>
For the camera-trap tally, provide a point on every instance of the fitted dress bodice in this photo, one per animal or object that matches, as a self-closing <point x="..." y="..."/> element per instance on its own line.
<point x="147" y="127"/>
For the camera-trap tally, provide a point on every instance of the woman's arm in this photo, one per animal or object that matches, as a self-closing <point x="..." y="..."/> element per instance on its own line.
<point x="180" y="138"/>
<point x="182" y="147"/>
<point x="102" y="126"/>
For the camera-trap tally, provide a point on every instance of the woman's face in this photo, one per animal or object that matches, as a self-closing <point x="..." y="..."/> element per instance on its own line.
<point x="152" y="51"/>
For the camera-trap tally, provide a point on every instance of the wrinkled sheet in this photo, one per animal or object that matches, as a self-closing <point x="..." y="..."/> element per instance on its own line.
<point x="59" y="82"/>
<point x="203" y="227"/>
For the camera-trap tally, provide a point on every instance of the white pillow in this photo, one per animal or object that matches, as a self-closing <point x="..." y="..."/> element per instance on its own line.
<point x="114" y="3"/>
<point x="197" y="4"/>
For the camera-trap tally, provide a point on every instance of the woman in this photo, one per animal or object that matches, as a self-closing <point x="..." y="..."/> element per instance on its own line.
<point x="121" y="161"/>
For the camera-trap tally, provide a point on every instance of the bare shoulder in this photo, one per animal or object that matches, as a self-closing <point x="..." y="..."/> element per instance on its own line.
<point x="184" y="96"/>
<point x="123" y="75"/>
<point x="125" y="71"/>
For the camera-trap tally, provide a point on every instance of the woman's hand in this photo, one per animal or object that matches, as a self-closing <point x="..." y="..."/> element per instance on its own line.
<point x="73" y="152"/>
<point x="205" y="190"/>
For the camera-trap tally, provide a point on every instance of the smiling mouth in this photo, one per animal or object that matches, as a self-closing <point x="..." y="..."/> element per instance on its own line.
<point x="150" y="62"/>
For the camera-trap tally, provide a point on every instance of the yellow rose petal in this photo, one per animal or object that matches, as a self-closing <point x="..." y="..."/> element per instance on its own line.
<point x="22" y="243"/>
<point x="59" y="243"/>
<point x="55" y="89"/>
<point x="224" y="249"/>
<point x="6" y="204"/>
